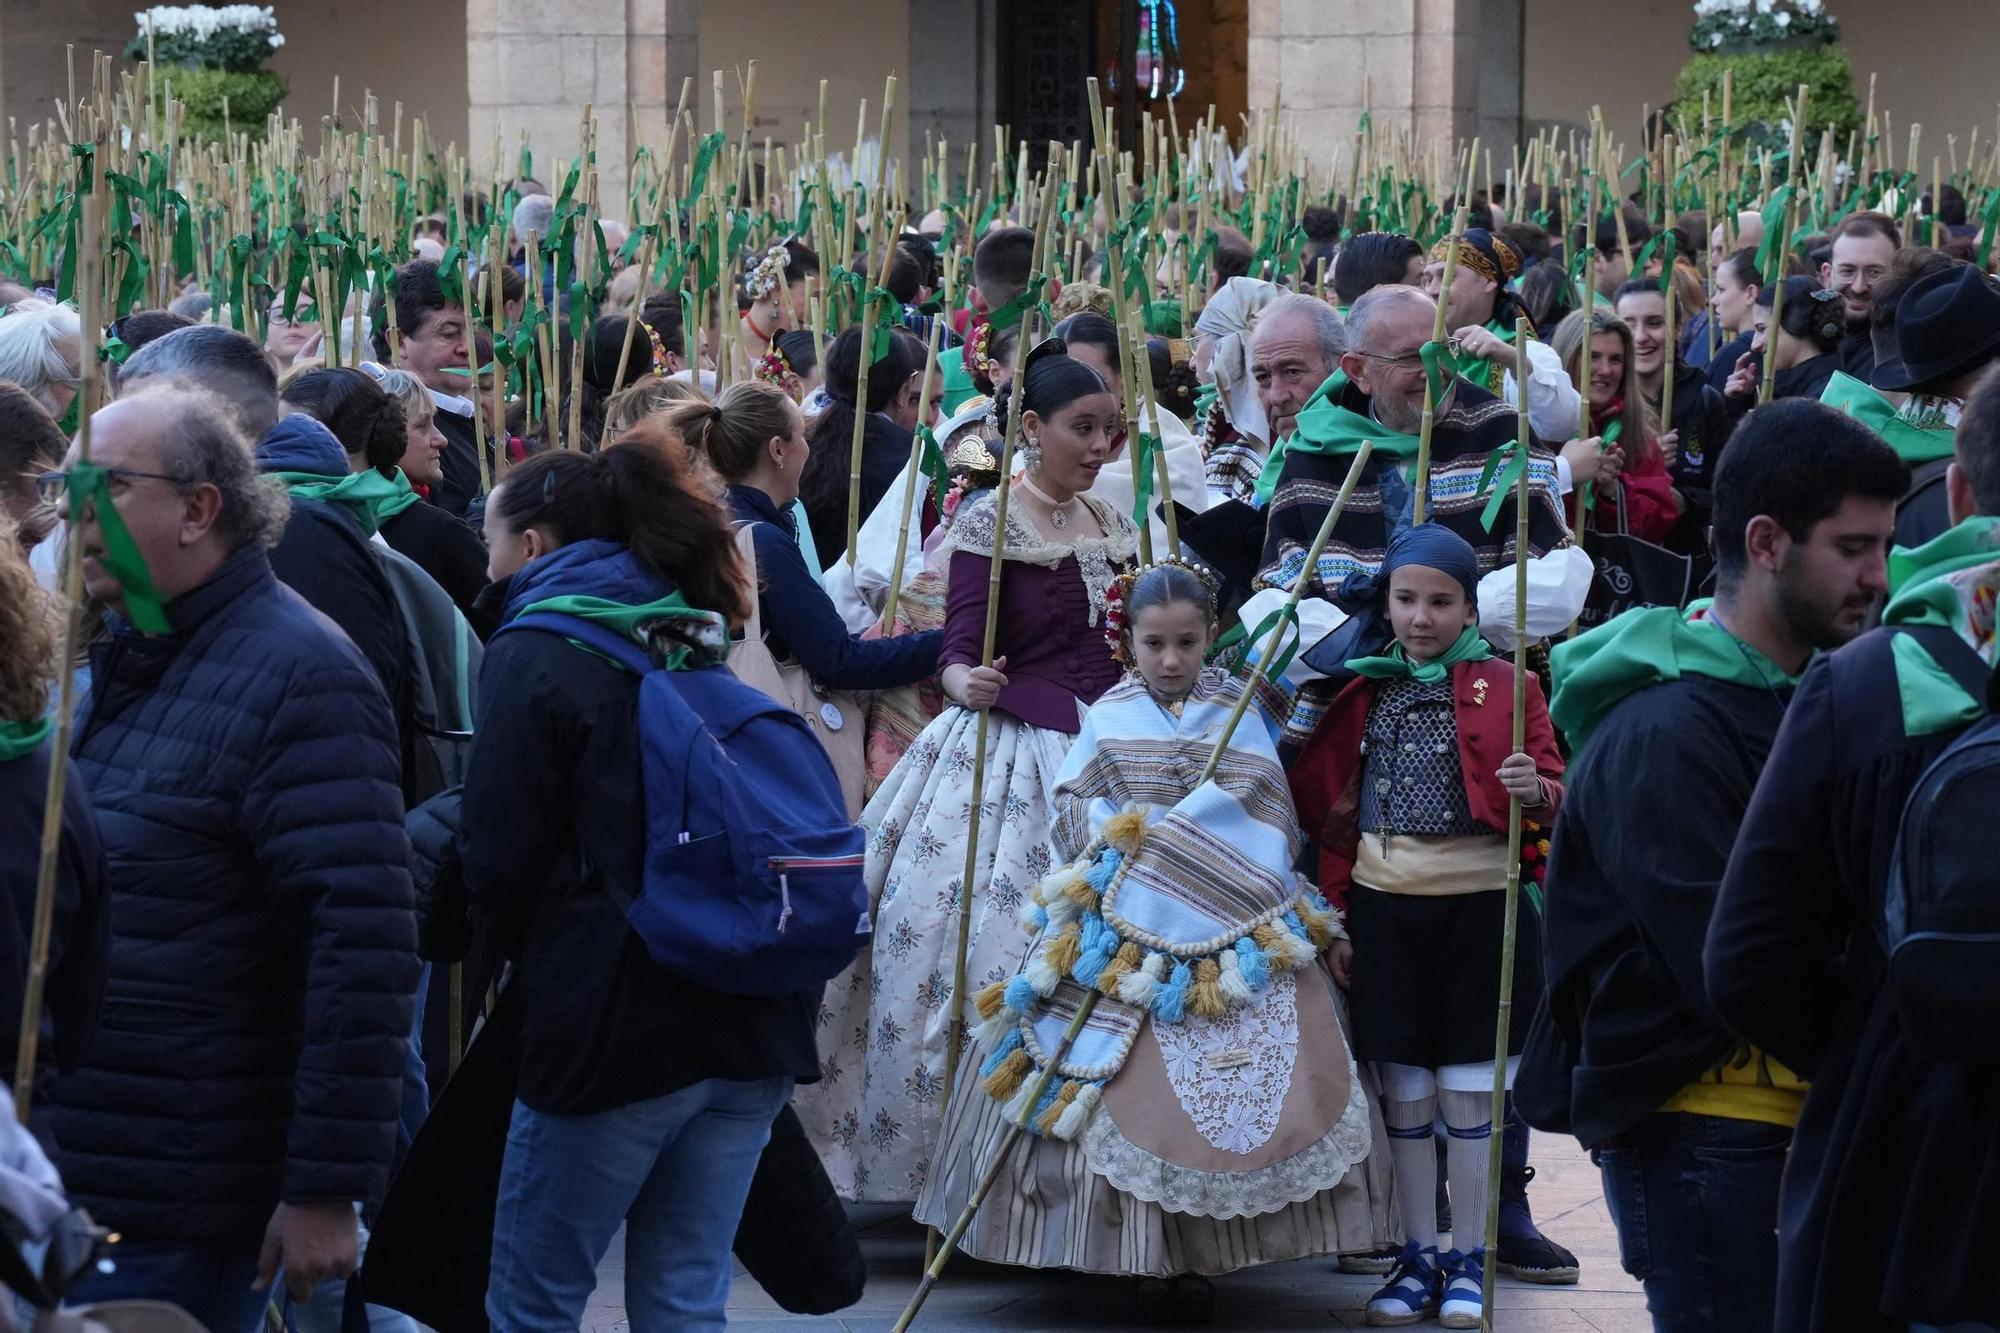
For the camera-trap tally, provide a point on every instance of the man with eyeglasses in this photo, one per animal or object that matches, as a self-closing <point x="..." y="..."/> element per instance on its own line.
<point x="241" y="1097"/>
<point x="1864" y="250"/>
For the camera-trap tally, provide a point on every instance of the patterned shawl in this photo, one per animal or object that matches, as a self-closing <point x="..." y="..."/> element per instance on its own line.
<point x="1180" y="899"/>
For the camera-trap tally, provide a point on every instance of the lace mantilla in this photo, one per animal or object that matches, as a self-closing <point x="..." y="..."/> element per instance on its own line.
<point x="1097" y="557"/>
<point x="1227" y="1194"/>
<point x="1231" y="1073"/>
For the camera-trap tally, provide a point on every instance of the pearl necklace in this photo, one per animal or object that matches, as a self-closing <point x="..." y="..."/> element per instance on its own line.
<point x="1058" y="509"/>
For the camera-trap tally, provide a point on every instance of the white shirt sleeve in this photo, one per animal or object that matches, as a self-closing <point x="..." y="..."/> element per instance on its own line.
<point x="1552" y="399"/>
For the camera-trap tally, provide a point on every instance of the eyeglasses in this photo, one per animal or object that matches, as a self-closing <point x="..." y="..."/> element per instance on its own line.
<point x="1407" y="361"/>
<point x="52" y="486"/>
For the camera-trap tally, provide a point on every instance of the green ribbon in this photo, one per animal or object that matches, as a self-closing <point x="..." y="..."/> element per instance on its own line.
<point x="1256" y="638"/>
<point x="1145" y="446"/>
<point x="879" y="313"/>
<point x="1028" y="298"/>
<point x="931" y="460"/>
<point x="1396" y="664"/>
<point x="20" y="739"/>
<point x="1771" y="250"/>
<point x="90" y="492"/>
<point x="1508" y="482"/>
<point x="704" y="158"/>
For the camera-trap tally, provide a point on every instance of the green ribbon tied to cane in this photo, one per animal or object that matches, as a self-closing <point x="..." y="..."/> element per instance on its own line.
<point x="1145" y="446"/>
<point x="1439" y="369"/>
<point x="1515" y="455"/>
<point x="1288" y="614"/>
<point x="881" y="314"/>
<point x="930" y="459"/>
<point x="90" y="490"/>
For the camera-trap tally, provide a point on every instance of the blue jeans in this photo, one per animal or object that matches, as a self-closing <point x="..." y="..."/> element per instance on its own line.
<point x="675" y="1170"/>
<point x="210" y="1283"/>
<point x="1695" y="1201"/>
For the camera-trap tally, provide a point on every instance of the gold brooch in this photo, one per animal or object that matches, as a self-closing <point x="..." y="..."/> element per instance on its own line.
<point x="1479" y="692"/>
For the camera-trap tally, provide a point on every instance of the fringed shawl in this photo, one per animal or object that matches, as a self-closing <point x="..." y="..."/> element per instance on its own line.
<point x="1179" y="899"/>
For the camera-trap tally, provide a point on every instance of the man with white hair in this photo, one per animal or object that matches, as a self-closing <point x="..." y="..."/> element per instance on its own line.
<point x="1236" y="437"/>
<point x="40" y="350"/>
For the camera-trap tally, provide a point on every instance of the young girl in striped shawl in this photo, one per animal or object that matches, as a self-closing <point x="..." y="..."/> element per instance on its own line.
<point x="1208" y="1116"/>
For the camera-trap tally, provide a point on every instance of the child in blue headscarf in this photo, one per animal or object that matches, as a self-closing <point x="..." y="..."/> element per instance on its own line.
<point x="1406" y="782"/>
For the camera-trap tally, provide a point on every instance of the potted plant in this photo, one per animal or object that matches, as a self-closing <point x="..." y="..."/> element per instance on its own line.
<point x="1770" y="47"/>
<point x="212" y="56"/>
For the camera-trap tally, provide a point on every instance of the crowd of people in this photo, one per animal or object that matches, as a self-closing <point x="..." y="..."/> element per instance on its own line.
<point x="355" y="995"/>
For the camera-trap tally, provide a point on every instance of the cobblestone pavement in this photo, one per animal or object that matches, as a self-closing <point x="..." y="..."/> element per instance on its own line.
<point x="1308" y="1294"/>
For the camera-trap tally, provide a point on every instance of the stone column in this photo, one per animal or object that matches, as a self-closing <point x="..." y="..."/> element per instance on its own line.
<point x="1448" y="69"/>
<point x="532" y="65"/>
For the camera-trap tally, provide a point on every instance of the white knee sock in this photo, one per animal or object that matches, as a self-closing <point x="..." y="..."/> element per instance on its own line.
<point x="1409" y="1109"/>
<point x="1468" y="1124"/>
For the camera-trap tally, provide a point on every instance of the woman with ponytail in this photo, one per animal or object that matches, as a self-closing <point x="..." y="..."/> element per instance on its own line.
<point x="877" y="1116"/>
<point x="755" y="440"/>
<point x="642" y="1100"/>
<point x="885" y="443"/>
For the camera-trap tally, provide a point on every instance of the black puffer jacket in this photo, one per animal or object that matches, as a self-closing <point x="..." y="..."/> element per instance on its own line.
<point x="263" y="969"/>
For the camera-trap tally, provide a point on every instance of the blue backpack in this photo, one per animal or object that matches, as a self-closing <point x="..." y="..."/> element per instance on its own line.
<point x="753" y="879"/>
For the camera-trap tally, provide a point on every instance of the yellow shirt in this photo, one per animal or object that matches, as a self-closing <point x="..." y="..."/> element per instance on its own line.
<point x="1750" y="1085"/>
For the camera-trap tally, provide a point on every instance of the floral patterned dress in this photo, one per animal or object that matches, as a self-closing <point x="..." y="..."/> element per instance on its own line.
<point x="875" y="1115"/>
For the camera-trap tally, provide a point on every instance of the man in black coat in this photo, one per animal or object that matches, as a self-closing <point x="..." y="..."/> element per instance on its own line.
<point x="1885" y="1218"/>
<point x="241" y="1100"/>
<point x="1689" y="1127"/>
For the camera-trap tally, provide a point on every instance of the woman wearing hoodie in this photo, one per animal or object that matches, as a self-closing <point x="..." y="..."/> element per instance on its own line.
<point x="642" y="1100"/>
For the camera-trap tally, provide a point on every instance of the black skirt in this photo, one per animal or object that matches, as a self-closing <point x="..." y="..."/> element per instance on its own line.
<point x="1426" y="986"/>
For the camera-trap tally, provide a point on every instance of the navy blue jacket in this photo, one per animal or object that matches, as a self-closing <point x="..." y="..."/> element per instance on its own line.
<point x="800" y="621"/>
<point x="553" y="826"/>
<point x="323" y="556"/>
<point x="263" y="970"/>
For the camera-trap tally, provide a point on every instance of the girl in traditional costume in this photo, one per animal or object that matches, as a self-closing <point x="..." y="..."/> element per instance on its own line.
<point x="1209" y="1109"/>
<point x="1407" y="780"/>
<point x="883" y="1027"/>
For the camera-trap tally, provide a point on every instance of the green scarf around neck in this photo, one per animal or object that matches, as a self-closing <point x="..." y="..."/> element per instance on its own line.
<point x="1396" y="664"/>
<point x="1645" y="646"/>
<point x="1912" y="443"/>
<point x="370" y="497"/>
<point x="1325" y="427"/>
<point x="1950" y="581"/>
<point x="18" y="740"/>
<point x="632" y="619"/>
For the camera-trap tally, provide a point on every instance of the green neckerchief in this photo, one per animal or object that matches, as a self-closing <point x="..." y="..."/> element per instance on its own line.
<point x="20" y="739"/>
<point x="628" y="619"/>
<point x="1645" y="646"/>
<point x="1396" y="664"/>
<point x="1939" y="583"/>
<point x="372" y="498"/>
<point x="1479" y="369"/>
<point x="1913" y="443"/>
<point x="1325" y="427"/>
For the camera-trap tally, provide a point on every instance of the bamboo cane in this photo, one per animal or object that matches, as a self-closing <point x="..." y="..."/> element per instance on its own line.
<point x="910" y="472"/>
<point x="1503" y="1019"/>
<point x="955" y="1030"/>
<point x="1669" y="357"/>
<point x="1258" y="671"/>
<point x="1775" y="326"/>
<point x="1420" y="504"/>
<point x="90" y="240"/>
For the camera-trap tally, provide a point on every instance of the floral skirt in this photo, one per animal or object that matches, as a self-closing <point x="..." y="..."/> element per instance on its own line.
<point x="875" y="1114"/>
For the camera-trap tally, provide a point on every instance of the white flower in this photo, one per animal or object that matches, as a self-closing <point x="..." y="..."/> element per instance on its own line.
<point x="1784" y="19"/>
<point x="1715" y="39"/>
<point x="1807" y="6"/>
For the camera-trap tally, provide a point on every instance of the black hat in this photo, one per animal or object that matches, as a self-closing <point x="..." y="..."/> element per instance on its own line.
<point x="1947" y="323"/>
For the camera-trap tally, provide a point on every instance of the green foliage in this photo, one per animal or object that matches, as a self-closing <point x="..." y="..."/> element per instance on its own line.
<point x="252" y="96"/>
<point x="227" y="48"/>
<point x="1762" y="82"/>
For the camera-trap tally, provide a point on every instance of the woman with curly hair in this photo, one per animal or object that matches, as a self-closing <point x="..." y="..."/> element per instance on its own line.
<point x="79" y="939"/>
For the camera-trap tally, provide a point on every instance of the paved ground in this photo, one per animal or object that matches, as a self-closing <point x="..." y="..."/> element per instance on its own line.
<point x="1308" y="1294"/>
